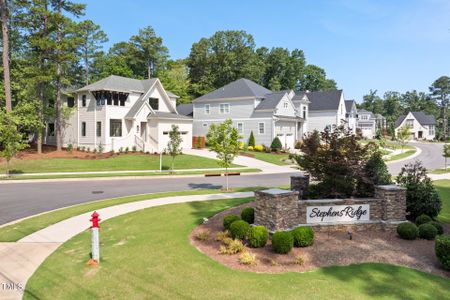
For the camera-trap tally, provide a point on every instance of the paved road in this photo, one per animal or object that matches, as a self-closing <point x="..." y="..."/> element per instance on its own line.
<point x="19" y="200"/>
<point x="431" y="158"/>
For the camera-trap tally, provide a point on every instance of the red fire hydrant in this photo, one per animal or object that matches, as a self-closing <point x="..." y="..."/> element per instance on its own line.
<point x="95" y="219"/>
<point x="95" y="240"/>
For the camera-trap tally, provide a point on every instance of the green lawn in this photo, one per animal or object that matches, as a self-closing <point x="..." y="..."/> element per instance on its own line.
<point x="440" y="171"/>
<point x="124" y="162"/>
<point x="443" y="187"/>
<point x="401" y="155"/>
<point x="272" y="158"/>
<point x="147" y="255"/>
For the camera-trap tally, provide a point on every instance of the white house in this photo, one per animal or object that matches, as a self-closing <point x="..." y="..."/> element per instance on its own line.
<point x="422" y="126"/>
<point x="351" y="115"/>
<point x="118" y="112"/>
<point x="327" y="109"/>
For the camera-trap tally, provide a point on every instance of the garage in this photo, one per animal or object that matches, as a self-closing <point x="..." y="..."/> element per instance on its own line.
<point x="287" y="140"/>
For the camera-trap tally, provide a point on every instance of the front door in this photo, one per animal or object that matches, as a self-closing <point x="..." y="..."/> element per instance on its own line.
<point x="419" y="134"/>
<point x="144" y="131"/>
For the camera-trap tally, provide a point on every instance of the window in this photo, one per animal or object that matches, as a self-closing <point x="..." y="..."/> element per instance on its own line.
<point x="205" y="124"/>
<point x="304" y="112"/>
<point x="431" y="129"/>
<point x="83" y="101"/>
<point x="224" y="108"/>
<point x="285" y="105"/>
<point x="116" y="100"/>
<point x="51" y="129"/>
<point x="154" y="103"/>
<point x="122" y="99"/>
<point x="261" y="128"/>
<point x="99" y="129"/>
<point x="410" y="123"/>
<point x="115" y="127"/>
<point x="137" y="129"/>
<point x="207" y="109"/>
<point x="70" y="101"/>
<point x="240" y="127"/>
<point x="83" y="128"/>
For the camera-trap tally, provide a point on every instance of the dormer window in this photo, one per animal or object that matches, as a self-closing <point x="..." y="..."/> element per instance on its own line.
<point x="285" y="105"/>
<point x="304" y="112"/>
<point x="154" y="103"/>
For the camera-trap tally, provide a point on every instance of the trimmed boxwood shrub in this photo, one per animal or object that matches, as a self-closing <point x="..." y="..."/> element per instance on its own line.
<point x="407" y="231"/>
<point x="276" y="144"/>
<point x="239" y="229"/>
<point x="282" y="242"/>
<point x="442" y="250"/>
<point x="427" y="231"/>
<point x="422" y="219"/>
<point x="248" y="215"/>
<point x="257" y="236"/>
<point x="303" y="236"/>
<point x="438" y="226"/>
<point x="227" y="220"/>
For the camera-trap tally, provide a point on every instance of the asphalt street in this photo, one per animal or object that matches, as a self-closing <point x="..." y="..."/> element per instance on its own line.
<point x="18" y="200"/>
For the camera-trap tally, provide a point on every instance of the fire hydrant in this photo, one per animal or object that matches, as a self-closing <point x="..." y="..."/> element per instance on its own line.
<point x="95" y="241"/>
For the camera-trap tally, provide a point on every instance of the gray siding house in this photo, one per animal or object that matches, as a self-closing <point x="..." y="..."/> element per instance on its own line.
<point x="253" y="108"/>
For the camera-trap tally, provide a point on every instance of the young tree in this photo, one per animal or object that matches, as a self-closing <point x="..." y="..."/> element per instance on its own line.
<point x="224" y="140"/>
<point x="174" y="144"/>
<point x="91" y="39"/>
<point x="446" y="154"/>
<point x="403" y="135"/>
<point x="440" y="92"/>
<point x="4" y="19"/>
<point x="251" y="140"/>
<point x="11" y="139"/>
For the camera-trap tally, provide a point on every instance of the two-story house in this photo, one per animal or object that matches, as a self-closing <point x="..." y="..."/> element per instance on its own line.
<point x="422" y="126"/>
<point x="253" y="108"/>
<point x="327" y="109"/>
<point x="118" y="113"/>
<point x="366" y="122"/>
<point x="351" y="115"/>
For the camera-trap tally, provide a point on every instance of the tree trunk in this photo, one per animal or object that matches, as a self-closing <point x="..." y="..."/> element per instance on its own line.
<point x="86" y="67"/>
<point x="7" y="167"/>
<point x="445" y="124"/>
<point x="173" y="160"/>
<point x="5" y="55"/>
<point x="226" y="175"/>
<point x="58" y="104"/>
<point x="41" y="118"/>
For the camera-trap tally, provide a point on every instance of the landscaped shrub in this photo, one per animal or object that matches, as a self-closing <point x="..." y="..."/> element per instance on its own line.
<point x="70" y="147"/>
<point x="442" y="250"/>
<point x="298" y="144"/>
<point x="248" y="215"/>
<point x="241" y="145"/>
<point x="247" y="258"/>
<point x="407" y="231"/>
<point x="250" y="148"/>
<point x="282" y="242"/>
<point x="376" y="173"/>
<point x="231" y="247"/>
<point x="257" y="236"/>
<point x="422" y="219"/>
<point x="221" y="235"/>
<point x="427" y="231"/>
<point x="251" y="140"/>
<point x="239" y="229"/>
<point x="303" y="236"/>
<point x="127" y="149"/>
<point x="203" y="235"/>
<point x="227" y="220"/>
<point x="421" y="196"/>
<point x="438" y="227"/>
<point x="101" y="148"/>
<point x="259" y="148"/>
<point x="134" y="148"/>
<point x="276" y="144"/>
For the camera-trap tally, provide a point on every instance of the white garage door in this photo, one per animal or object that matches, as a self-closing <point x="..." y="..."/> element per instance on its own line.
<point x="287" y="140"/>
<point x="185" y="144"/>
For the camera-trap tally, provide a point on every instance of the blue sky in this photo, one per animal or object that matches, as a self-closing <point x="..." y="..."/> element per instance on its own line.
<point x="362" y="44"/>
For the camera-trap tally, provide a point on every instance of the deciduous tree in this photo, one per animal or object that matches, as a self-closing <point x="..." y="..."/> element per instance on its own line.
<point x="174" y="144"/>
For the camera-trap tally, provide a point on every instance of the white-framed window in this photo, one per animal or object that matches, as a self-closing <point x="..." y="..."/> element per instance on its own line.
<point x="261" y="128"/>
<point x="115" y="127"/>
<point x="364" y="117"/>
<point x="83" y="128"/>
<point x="207" y="109"/>
<point x="431" y="129"/>
<point x="205" y="124"/>
<point x="410" y="123"/>
<point x="240" y="127"/>
<point x="224" y="108"/>
<point x="304" y="112"/>
<point x="99" y="129"/>
<point x="285" y="104"/>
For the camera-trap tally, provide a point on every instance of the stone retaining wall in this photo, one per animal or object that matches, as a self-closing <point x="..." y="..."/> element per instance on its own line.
<point x="279" y="209"/>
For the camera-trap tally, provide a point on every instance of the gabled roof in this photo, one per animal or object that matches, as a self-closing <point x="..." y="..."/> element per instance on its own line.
<point x="167" y="115"/>
<point x="120" y="84"/>
<point x="420" y="116"/>
<point x="363" y="111"/>
<point x="239" y="88"/>
<point x="186" y="109"/>
<point x="271" y="100"/>
<point x="171" y="95"/>
<point x="349" y="104"/>
<point x="136" y="107"/>
<point x="324" y="100"/>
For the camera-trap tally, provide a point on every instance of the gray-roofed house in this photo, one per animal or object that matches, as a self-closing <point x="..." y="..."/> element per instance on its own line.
<point x="118" y="112"/>
<point x="351" y="114"/>
<point x="422" y="126"/>
<point x="253" y="108"/>
<point x="186" y="109"/>
<point x="327" y="109"/>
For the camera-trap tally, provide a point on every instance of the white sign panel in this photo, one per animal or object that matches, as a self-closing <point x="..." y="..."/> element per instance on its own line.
<point x="338" y="213"/>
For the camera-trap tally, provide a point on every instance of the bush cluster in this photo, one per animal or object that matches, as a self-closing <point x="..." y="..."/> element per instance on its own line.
<point x="276" y="144"/>
<point x="427" y="231"/>
<point x="259" y="148"/>
<point x="407" y="231"/>
<point x="303" y="236"/>
<point x="438" y="226"/>
<point x="227" y="220"/>
<point x="248" y="215"/>
<point x="282" y="242"/>
<point x="239" y="229"/>
<point x="250" y="148"/>
<point x="422" y="219"/>
<point x="257" y="236"/>
<point x="442" y="250"/>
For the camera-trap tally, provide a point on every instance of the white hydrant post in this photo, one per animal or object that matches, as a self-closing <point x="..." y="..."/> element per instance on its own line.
<point x="160" y="162"/>
<point x="95" y="241"/>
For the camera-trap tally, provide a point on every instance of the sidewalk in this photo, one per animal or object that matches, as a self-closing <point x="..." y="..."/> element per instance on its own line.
<point x="18" y="261"/>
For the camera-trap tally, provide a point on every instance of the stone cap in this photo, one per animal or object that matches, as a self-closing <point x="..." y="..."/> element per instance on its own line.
<point x="390" y="187"/>
<point x="277" y="191"/>
<point x="301" y="175"/>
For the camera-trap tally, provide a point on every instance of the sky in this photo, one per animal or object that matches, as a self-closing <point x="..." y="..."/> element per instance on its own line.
<point x="362" y="44"/>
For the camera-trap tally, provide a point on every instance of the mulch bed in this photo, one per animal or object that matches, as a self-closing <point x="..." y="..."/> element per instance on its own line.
<point x="329" y="249"/>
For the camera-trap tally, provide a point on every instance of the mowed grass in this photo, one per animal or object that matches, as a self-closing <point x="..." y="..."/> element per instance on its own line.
<point x="405" y="154"/>
<point x="16" y="231"/>
<point x="124" y="162"/>
<point x="272" y="158"/>
<point x="443" y="188"/>
<point x="147" y="255"/>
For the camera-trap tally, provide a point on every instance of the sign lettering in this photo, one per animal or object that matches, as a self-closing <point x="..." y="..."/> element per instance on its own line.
<point x="338" y="213"/>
